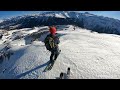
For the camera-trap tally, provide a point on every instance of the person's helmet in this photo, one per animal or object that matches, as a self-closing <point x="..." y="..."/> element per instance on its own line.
<point x="52" y="30"/>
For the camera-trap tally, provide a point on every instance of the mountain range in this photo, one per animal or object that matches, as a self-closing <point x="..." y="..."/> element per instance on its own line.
<point x="85" y="20"/>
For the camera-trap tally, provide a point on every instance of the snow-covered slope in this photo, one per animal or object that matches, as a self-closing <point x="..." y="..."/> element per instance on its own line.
<point x="89" y="55"/>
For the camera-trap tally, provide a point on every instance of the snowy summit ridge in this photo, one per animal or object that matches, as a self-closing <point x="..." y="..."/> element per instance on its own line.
<point x="89" y="55"/>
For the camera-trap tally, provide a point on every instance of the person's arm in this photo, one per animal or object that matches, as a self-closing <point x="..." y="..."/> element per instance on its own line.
<point x="58" y="41"/>
<point x="45" y="39"/>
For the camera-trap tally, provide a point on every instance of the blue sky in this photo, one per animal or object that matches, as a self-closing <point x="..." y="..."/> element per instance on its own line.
<point x="8" y="14"/>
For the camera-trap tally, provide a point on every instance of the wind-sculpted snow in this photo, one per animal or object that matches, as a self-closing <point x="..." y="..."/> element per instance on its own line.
<point x="90" y="55"/>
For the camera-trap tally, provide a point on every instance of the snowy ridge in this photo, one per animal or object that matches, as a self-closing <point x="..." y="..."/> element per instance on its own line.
<point x="89" y="55"/>
<point x="59" y="16"/>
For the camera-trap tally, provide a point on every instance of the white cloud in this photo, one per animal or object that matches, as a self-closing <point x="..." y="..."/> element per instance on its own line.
<point x="1" y="21"/>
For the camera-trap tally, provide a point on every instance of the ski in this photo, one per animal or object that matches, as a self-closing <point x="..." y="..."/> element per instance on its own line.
<point x="65" y="75"/>
<point x="49" y="66"/>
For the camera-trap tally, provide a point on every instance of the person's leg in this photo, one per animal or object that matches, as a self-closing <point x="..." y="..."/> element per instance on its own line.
<point x="51" y="56"/>
<point x="57" y="54"/>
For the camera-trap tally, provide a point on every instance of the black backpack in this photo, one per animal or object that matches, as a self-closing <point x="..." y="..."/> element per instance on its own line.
<point x="49" y="42"/>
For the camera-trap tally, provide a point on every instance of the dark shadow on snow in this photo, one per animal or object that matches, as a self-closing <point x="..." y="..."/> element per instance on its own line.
<point x="23" y="74"/>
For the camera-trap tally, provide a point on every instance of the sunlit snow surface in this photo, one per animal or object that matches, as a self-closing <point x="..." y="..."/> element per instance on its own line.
<point x="90" y="55"/>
